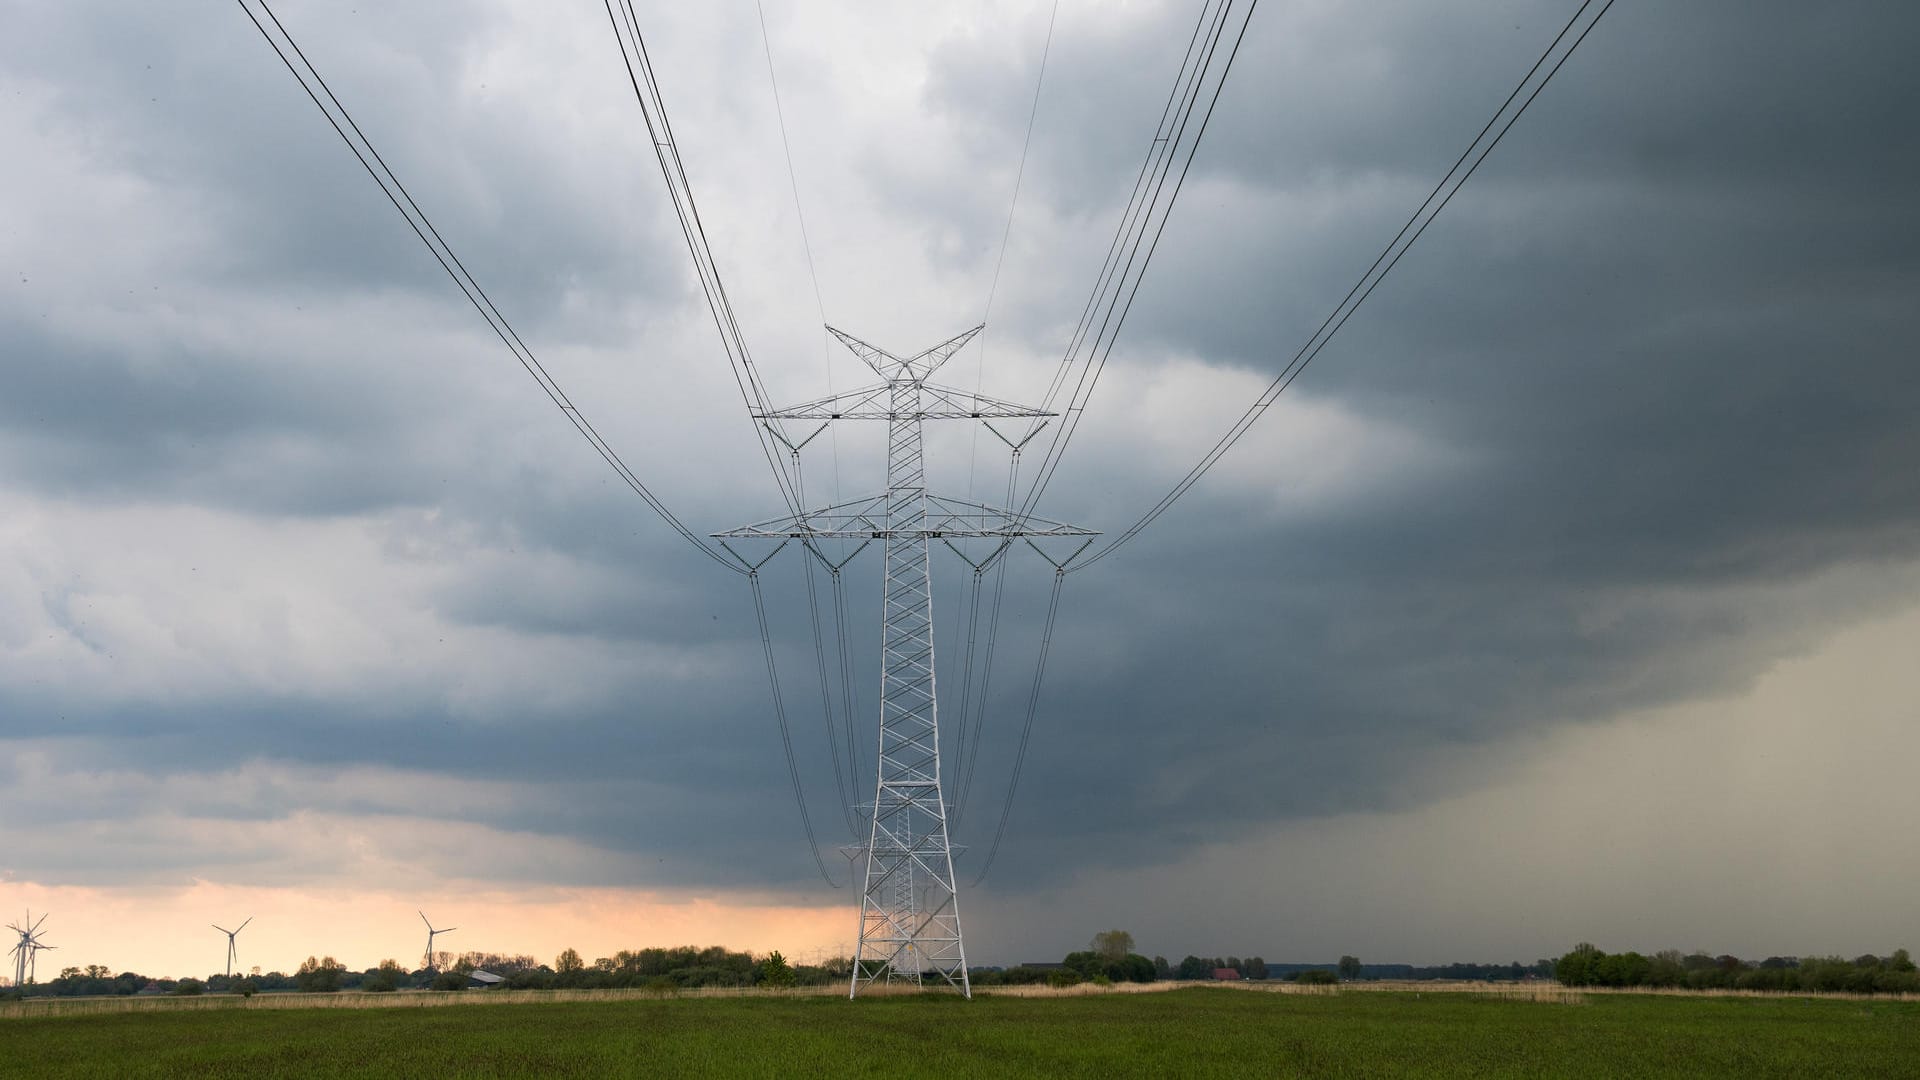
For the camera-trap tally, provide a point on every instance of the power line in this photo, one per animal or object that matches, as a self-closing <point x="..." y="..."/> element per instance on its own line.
<point x="780" y="715"/>
<point x="973" y="447"/>
<point x="635" y="57"/>
<point x="639" y="65"/>
<point x="1156" y="149"/>
<point x="966" y="766"/>
<point x="793" y="181"/>
<point x="1382" y="265"/>
<point x="1026" y="731"/>
<point x="848" y="688"/>
<point x="846" y="789"/>
<point x="993" y="288"/>
<point x="843" y="786"/>
<point x="423" y="227"/>
<point x="806" y="243"/>
<point x="1117" y="276"/>
<point x="1129" y="281"/>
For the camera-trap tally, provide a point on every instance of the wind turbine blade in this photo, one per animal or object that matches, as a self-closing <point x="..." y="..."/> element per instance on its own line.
<point x="243" y="925"/>
<point x="220" y="928"/>
<point x="449" y="929"/>
<point x="423" y="918"/>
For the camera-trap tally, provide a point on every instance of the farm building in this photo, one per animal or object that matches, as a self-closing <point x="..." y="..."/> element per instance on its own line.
<point x="484" y="980"/>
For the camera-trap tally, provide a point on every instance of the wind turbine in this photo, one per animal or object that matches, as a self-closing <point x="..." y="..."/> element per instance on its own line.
<point x="28" y="946"/>
<point x="431" y="932"/>
<point x="233" y="951"/>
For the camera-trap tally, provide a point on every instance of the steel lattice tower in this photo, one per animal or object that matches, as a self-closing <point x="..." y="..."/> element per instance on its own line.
<point x="910" y="905"/>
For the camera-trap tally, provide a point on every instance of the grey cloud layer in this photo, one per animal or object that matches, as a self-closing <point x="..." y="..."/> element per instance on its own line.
<point x="1664" y="332"/>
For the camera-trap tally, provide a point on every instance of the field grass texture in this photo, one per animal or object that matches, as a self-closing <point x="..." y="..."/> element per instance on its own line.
<point x="1196" y="1031"/>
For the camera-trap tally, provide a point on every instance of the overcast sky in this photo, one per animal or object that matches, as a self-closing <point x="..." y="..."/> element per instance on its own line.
<point x="1571" y="594"/>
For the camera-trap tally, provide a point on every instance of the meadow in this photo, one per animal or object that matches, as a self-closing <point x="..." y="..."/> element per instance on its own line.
<point x="1194" y="1031"/>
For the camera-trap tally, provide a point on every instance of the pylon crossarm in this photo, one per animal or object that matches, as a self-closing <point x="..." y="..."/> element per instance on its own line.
<point x="981" y="566"/>
<point x="870" y="518"/>
<point x="875" y="358"/>
<point x="913" y="369"/>
<point x="836" y="567"/>
<point x="924" y="364"/>
<point x="936" y="403"/>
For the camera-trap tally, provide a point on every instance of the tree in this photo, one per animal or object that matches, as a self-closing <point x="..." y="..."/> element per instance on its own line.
<point x="1577" y="968"/>
<point x="775" y="971"/>
<point x="1113" y="945"/>
<point x="1162" y="969"/>
<point x="1256" y="968"/>
<point x="385" y="978"/>
<point x="319" y="976"/>
<point x="1349" y="967"/>
<point x="569" y="961"/>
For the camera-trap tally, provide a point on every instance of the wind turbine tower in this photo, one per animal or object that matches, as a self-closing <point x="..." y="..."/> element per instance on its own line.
<point x="233" y="952"/>
<point x="427" y="960"/>
<point x="25" y="950"/>
<point x="909" y="926"/>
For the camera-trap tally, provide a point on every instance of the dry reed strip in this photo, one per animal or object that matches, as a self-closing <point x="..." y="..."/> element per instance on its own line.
<point x="1543" y="992"/>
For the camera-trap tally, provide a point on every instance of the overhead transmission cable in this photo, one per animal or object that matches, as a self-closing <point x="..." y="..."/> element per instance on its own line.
<point x="666" y="149"/>
<point x="806" y="242"/>
<point x="1383" y="264"/>
<point x="849" y="789"/>
<point x="1154" y="214"/>
<point x="845" y="788"/>
<point x="646" y="90"/>
<point x="1006" y="233"/>
<point x="1157" y="149"/>
<point x="1026" y="730"/>
<point x="969" y="613"/>
<point x="363" y="150"/>
<point x="968" y="755"/>
<point x="1145" y="208"/>
<point x="786" y="737"/>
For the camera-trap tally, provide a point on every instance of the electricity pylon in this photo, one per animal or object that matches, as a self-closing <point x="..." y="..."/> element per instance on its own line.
<point x="910" y="905"/>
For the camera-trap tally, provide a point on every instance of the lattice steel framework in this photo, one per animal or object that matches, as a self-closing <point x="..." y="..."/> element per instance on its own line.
<point x="910" y="905"/>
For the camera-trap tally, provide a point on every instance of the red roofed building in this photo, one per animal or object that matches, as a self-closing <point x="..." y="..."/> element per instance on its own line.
<point x="1226" y="975"/>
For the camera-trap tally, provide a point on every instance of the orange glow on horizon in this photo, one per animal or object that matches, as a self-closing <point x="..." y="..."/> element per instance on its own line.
<point x="168" y="932"/>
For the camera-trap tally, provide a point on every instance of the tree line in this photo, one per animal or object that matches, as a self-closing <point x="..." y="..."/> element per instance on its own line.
<point x="1587" y="965"/>
<point x="664" y="969"/>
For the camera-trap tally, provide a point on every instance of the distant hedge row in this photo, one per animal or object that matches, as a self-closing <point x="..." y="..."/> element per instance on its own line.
<point x="1587" y="965"/>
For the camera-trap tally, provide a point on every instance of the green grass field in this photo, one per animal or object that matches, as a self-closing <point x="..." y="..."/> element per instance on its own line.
<point x="1190" y="1032"/>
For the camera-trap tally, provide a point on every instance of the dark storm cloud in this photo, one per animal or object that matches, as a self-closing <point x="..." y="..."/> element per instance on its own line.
<point x="1665" y="332"/>
<point x="205" y="106"/>
<point x="1667" y="322"/>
